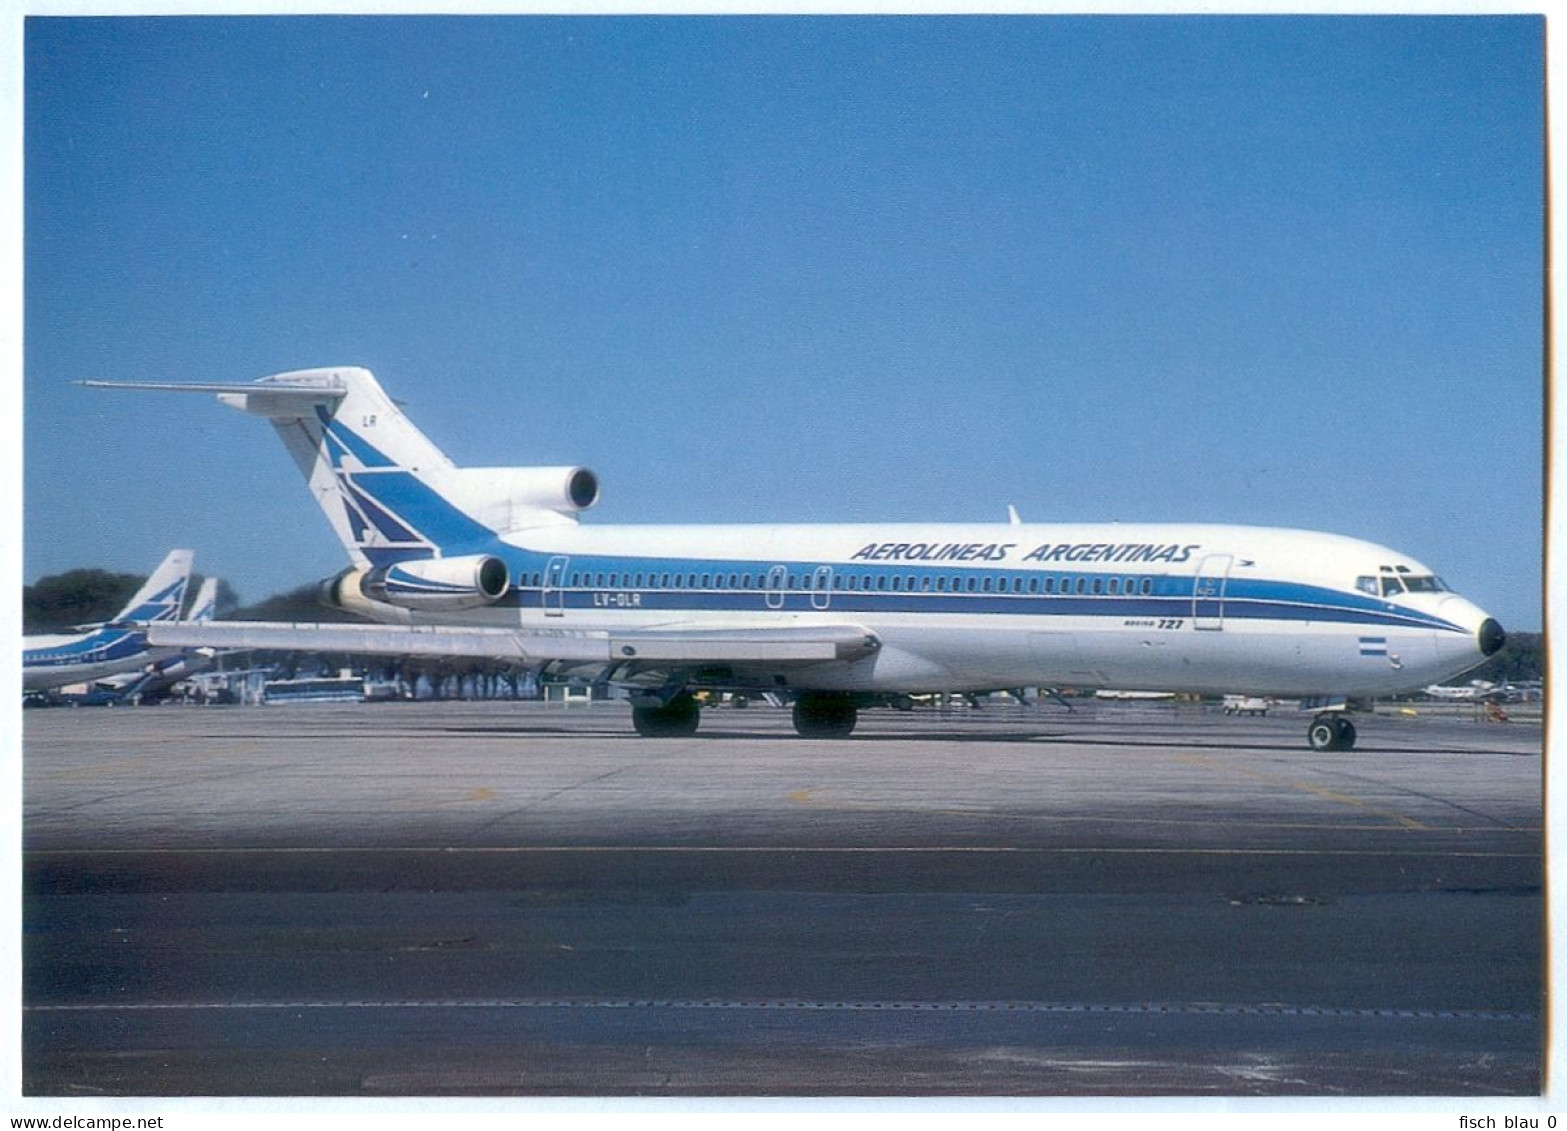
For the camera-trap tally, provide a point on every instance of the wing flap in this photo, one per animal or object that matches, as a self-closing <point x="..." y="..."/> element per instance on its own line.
<point x="387" y="640"/>
<point x="759" y="645"/>
<point x="784" y="645"/>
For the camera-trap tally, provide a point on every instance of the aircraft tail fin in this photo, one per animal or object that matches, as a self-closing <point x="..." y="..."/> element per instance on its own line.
<point x="205" y="607"/>
<point x="390" y="494"/>
<point x="163" y="594"/>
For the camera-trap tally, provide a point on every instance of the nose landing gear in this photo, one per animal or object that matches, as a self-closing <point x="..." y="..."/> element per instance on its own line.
<point x="1331" y="731"/>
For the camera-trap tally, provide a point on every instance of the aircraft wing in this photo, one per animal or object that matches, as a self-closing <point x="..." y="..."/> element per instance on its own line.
<point x="531" y="646"/>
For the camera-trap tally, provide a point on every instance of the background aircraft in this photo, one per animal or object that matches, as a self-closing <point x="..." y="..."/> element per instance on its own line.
<point x="162" y="673"/>
<point x="120" y="645"/>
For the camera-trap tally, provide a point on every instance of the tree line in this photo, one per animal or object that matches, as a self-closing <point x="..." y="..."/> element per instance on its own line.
<point x="91" y="596"/>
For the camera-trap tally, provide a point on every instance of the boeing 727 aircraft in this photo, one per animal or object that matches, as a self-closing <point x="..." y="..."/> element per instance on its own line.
<point x="58" y="660"/>
<point x="493" y="562"/>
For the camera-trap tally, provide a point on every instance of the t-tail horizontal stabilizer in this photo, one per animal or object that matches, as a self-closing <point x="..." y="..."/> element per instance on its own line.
<point x="389" y="493"/>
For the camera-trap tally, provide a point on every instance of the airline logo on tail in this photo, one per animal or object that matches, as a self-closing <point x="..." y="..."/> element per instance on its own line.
<point x="163" y="594"/>
<point x="373" y="526"/>
<point x="205" y="607"/>
<point x="393" y="513"/>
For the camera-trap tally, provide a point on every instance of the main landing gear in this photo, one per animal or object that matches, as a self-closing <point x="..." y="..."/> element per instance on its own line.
<point x="676" y="719"/>
<point x="1331" y="731"/>
<point x="819" y="714"/>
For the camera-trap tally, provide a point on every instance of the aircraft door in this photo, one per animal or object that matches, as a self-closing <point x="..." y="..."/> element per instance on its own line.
<point x="777" y="581"/>
<point x="821" y="590"/>
<point x="555" y="587"/>
<point x="1213" y="574"/>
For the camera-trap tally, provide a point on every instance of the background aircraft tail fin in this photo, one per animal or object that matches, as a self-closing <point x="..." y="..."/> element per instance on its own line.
<point x="205" y="607"/>
<point x="163" y="594"/>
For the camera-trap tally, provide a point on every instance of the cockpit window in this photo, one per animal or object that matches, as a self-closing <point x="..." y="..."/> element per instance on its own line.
<point x="1393" y="581"/>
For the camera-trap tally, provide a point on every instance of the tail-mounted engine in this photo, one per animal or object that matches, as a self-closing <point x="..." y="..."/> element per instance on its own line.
<point x="515" y="498"/>
<point x="467" y="582"/>
<point x="435" y="584"/>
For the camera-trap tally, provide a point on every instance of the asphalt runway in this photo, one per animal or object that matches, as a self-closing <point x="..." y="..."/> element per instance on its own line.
<point x="496" y="899"/>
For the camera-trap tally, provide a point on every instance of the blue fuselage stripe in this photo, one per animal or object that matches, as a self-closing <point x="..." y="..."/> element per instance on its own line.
<point x="94" y="648"/>
<point x="1057" y="605"/>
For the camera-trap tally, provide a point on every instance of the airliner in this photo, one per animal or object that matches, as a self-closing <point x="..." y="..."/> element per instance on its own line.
<point x="120" y="645"/>
<point x="495" y="563"/>
<point x="167" y="669"/>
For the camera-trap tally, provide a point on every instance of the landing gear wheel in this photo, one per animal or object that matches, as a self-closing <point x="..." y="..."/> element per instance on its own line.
<point x="1331" y="732"/>
<point x="825" y="716"/>
<point x="678" y="719"/>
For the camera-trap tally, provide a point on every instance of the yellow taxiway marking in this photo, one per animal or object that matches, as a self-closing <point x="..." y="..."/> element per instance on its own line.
<point x="809" y="797"/>
<point x="482" y="793"/>
<point x="1307" y="787"/>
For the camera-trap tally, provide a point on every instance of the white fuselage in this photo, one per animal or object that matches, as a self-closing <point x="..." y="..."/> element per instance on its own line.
<point x="1192" y="608"/>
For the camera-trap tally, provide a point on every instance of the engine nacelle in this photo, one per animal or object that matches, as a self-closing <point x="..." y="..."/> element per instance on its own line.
<point x="345" y="591"/>
<point x="468" y="582"/>
<point x="514" y="498"/>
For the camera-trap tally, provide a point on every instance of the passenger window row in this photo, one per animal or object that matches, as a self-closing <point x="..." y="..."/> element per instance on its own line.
<point x="1031" y="584"/>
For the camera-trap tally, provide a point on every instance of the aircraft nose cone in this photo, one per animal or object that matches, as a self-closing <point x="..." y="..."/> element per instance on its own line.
<point x="1491" y="637"/>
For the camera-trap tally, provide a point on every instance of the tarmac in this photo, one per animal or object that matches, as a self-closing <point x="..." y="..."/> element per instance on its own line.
<point x="521" y="899"/>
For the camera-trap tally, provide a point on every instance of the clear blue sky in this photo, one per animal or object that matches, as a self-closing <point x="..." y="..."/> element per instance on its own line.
<point x="1279" y="270"/>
